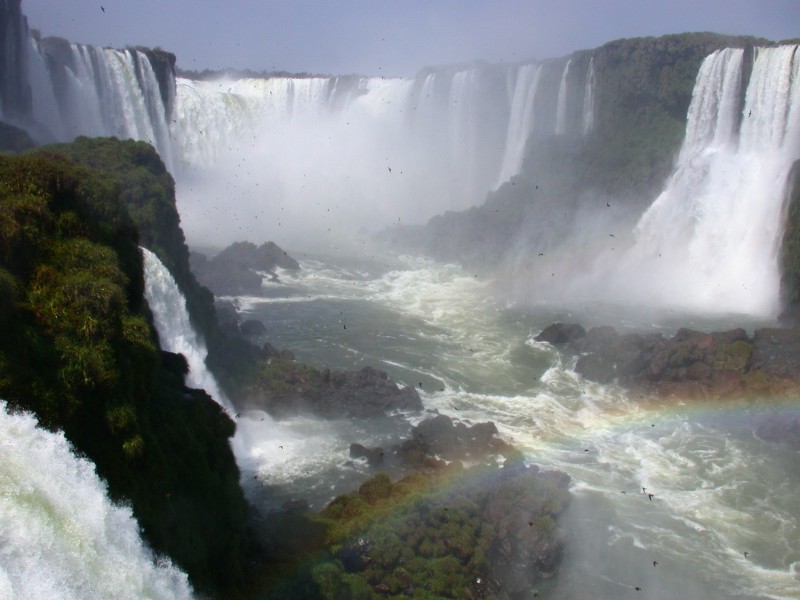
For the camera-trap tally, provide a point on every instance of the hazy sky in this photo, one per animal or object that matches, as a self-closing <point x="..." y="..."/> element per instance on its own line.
<point x="374" y="37"/>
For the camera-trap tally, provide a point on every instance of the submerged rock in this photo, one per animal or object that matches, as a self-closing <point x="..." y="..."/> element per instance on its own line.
<point x="285" y="387"/>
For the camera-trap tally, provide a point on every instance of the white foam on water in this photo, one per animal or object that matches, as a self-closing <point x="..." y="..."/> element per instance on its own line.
<point x="61" y="537"/>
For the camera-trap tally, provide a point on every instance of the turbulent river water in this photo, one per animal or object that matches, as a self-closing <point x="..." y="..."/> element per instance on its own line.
<point x="718" y="490"/>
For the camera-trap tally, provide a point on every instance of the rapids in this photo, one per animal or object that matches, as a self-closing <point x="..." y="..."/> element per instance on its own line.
<point x="718" y="490"/>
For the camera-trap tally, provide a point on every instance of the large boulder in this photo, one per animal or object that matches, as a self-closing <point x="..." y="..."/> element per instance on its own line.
<point x="285" y="387"/>
<point x="240" y="268"/>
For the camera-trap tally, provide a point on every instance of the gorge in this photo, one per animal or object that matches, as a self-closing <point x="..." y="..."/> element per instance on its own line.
<point x="439" y="223"/>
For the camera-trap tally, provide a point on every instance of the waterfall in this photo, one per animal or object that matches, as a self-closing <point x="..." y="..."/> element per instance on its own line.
<point x="710" y="241"/>
<point x="561" y="108"/>
<point x="588" y="99"/>
<point x="87" y="90"/>
<point x="61" y="537"/>
<point x="175" y="331"/>
<point x="521" y="121"/>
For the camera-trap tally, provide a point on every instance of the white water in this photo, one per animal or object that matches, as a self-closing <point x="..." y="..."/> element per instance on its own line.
<point x="175" y="330"/>
<point x="101" y="91"/>
<point x="710" y="241"/>
<point x="521" y="122"/>
<point x="61" y="538"/>
<point x="561" y="104"/>
<point x="718" y="490"/>
<point x="588" y="99"/>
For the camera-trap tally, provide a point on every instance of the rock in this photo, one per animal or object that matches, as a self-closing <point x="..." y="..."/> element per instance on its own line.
<point x="777" y="352"/>
<point x="252" y="327"/>
<point x="239" y="269"/>
<point x="690" y="364"/>
<point x="374" y="456"/>
<point x="441" y="437"/>
<point x="285" y="387"/>
<point x="560" y="333"/>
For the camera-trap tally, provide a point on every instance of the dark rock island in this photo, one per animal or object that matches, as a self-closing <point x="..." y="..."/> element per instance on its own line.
<point x="690" y="364"/>
<point x="241" y="267"/>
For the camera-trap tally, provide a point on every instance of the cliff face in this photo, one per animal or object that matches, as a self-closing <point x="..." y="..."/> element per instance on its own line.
<point x="15" y="91"/>
<point x="79" y="350"/>
<point x="148" y="191"/>
<point x="641" y="94"/>
<point x="790" y="250"/>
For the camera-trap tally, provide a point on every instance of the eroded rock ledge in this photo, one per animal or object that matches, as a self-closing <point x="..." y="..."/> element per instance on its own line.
<point x="690" y="364"/>
<point x="285" y="387"/>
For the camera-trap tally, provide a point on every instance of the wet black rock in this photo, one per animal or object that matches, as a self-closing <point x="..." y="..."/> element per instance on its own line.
<point x="284" y="387"/>
<point x="374" y="456"/>
<point x="240" y="268"/>
<point x="561" y="333"/>
<point x="439" y="439"/>
<point x="252" y="327"/>
<point x="690" y="363"/>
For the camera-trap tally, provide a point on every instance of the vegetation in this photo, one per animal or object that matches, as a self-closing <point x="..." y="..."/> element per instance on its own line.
<point x="148" y="192"/>
<point x="78" y="349"/>
<point x="641" y="98"/>
<point x="451" y="535"/>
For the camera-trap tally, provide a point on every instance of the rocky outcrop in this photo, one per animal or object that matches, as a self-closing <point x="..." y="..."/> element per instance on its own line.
<point x="284" y="387"/>
<point x="690" y="363"/>
<point x="239" y="269"/>
<point x="453" y="535"/>
<point x="440" y="439"/>
<point x="790" y="251"/>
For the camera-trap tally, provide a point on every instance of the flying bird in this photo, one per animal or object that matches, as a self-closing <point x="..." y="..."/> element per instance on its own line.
<point x="650" y="496"/>
<point x="104" y="10"/>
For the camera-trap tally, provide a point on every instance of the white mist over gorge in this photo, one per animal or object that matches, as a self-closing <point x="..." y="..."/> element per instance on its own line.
<point x="512" y="329"/>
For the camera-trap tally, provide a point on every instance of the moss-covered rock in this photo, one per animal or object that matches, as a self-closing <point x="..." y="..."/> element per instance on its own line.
<point x="467" y="535"/>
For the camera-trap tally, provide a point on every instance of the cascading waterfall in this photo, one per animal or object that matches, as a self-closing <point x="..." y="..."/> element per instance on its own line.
<point x="588" y="99"/>
<point x="521" y="121"/>
<point x="87" y="90"/>
<point x="709" y="242"/>
<point x="452" y="132"/>
<point x="561" y="109"/>
<point x="61" y="537"/>
<point x="175" y="331"/>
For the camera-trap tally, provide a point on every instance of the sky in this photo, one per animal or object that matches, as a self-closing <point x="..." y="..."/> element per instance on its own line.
<point x="391" y="38"/>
